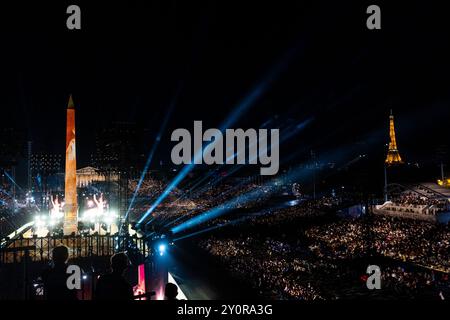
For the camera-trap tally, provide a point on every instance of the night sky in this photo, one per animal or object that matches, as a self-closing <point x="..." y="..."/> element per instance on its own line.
<point x="313" y="60"/>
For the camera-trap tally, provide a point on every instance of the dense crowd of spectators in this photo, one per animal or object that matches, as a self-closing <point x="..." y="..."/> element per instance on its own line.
<point x="410" y="198"/>
<point x="303" y="261"/>
<point x="268" y="265"/>
<point x="184" y="204"/>
<point x="289" y="268"/>
<point x="415" y="202"/>
<point x="148" y="188"/>
<point x="275" y="267"/>
<point x="5" y="195"/>
<point x="406" y="240"/>
<point x="294" y="211"/>
<point x="148" y="191"/>
<point x="11" y="220"/>
<point x="417" y="281"/>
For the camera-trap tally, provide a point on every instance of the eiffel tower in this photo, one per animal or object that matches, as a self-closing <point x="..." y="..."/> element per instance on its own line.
<point x="393" y="156"/>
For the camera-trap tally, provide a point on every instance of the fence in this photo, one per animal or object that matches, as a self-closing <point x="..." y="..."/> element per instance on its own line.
<point x="80" y="246"/>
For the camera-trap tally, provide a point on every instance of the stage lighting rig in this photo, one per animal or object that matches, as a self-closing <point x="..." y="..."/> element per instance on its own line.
<point x="161" y="243"/>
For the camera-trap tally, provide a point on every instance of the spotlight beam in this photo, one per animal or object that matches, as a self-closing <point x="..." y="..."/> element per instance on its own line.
<point x="215" y="198"/>
<point x="293" y="131"/>
<point x="151" y="153"/>
<point x="232" y="222"/>
<point x="241" y="108"/>
<point x="196" y="183"/>
<point x="5" y="192"/>
<point x="12" y="180"/>
<point x="213" y="213"/>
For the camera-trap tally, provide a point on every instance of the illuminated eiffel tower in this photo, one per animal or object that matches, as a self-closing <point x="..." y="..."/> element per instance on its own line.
<point x="393" y="156"/>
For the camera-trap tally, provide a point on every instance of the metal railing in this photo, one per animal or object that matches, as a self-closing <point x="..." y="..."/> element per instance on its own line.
<point x="80" y="246"/>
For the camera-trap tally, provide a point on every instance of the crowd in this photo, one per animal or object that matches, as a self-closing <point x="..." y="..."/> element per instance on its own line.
<point x="5" y="195"/>
<point x="301" y="262"/>
<point x="305" y="265"/>
<point x="182" y="205"/>
<point x="290" y="213"/>
<point x="149" y="187"/>
<point x="414" y="199"/>
<point x="268" y="265"/>
<point x="12" y="216"/>
<point x="306" y="261"/>
<point x="414" y="281"/>
<point x="413" y="241"/>
<point x="278" y="268"/>
<point x="221" y="194"/>
<point x="417" y="203"/>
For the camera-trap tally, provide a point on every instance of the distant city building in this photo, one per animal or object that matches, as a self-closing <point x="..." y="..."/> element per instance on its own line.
<point x="88" y="175"/>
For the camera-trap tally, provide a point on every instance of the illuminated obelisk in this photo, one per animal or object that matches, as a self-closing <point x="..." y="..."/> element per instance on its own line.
<point x="71" y="204"/>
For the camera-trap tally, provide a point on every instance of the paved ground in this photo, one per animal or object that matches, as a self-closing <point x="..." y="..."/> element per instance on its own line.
<point x="202" y="278"/>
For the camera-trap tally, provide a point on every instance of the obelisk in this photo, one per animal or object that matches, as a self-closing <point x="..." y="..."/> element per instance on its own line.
<point x="71" y="204"/>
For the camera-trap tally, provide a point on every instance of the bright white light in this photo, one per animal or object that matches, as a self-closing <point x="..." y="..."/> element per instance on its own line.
<point x="161" y="249"/>
<point x="40" y="221"/>
<point x="108" y="219"/>
<point x="293" y="203"/>
<point x="181" y="295"/>
<point x="112" y="213"/>
<point x="90" y="213"/>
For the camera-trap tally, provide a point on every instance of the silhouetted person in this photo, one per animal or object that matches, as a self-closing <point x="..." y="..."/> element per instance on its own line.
<point x="170" y="291"/>
<point x="55" y="277"/>
<point x="113" y="286"/>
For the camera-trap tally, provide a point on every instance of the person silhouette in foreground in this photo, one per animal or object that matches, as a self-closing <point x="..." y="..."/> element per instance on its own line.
<point x="55" y="277"/>
<point x="113" y="286"/>
<point x="170" y="291"/>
